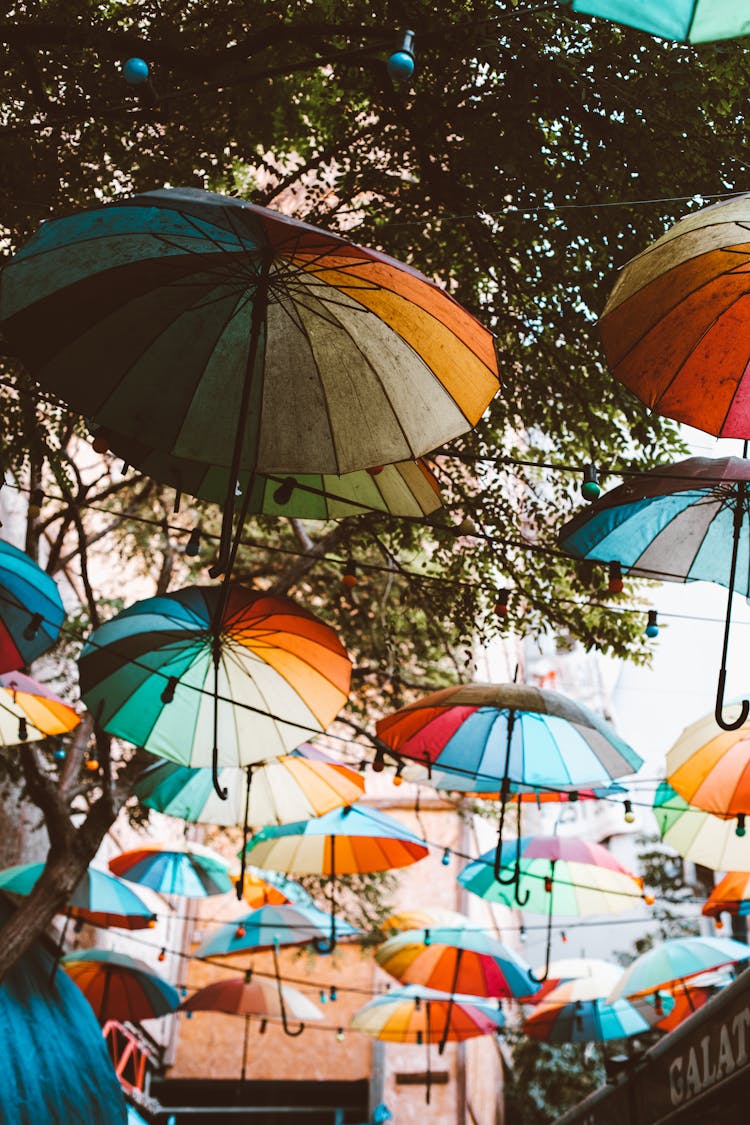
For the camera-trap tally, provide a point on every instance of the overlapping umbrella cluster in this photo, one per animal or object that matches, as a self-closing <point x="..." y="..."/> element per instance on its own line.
<point x="193" y="309"/>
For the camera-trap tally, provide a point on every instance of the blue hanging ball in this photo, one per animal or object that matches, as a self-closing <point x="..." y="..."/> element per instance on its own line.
<point x="60" y="754"/>
<point x="400" y="66"/>
<point x="591" y="490"/>
<point x="652" y="630"/>
<point x="135" y="71"/>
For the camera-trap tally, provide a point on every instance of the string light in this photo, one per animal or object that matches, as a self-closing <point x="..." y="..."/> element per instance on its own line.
<point x="652" y="627"/>
<point x="590" y="489"/>
<point x="615" y="584"/>
<point x="193" y="545"/>
<point x="629" y="815"/>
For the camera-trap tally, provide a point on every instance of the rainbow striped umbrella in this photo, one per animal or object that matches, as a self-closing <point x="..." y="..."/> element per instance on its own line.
<point x="699" y="836"/>
<point x="119" y="987"/>
<point x="270" y="926"/>
<point x="422" y="1015"/>
<point x="196" y="309"/>
<point x="31" y="610"/>
<point x="190" y="870"/>
<point x="346" y="841"/>
<point x="709" y="766"/>
<point x="208" y="676"/>
<point x="98" y="898"/>
<point x="29" y="710"/>
<point x="578" y="1012"/>
<point x="677" y="960"/>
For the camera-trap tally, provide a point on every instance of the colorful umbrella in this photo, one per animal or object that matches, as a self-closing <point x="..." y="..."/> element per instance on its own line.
<point x="243" y="996"/>
<point x="119" y="987"/>
<point x="192" y="871"/>
<point x="578" y="1012"/>
<point x="214" y="676"/>
<point x="710" y="767"/>
<point x="31" y="611"/>
<point x="270" y="888"/>
<point x="687" y="21"/>
<point x="675" y="326"/>
<point x="347" y="841"/>
<point x="731" y="895"/>
<point x="554" y="875"/>
<point x="98" y="898"/>
<point x="407" y="489"/>
<point x="572" y="968"/>
<point x="194" y="309"/>
<point x="456" y="960"/>
<point x="29" y="710"/>
<point x="422" y="1015"/>
<point x="674" y="961"/>
<point x="697" y="835"/>
<point x="271" y="926"/>
<point x="684" y="522"/>
<point x="499" y="735"/>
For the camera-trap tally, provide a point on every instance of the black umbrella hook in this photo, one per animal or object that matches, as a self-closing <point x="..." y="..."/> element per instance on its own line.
<point x="550" y="882"/>
<point x="287" y="1030"/>
<point x="745" y="705"/>
<point x="327" y="945"/>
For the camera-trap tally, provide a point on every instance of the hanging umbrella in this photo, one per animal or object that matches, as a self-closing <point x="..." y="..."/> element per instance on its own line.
<point x="346" y="841"/>
<point x="407" y="489"/>
<point x="29" y="710"/>
<point x="578" y="1012"/>
<point x="687" y="21"/>
<point x="684" y="522"/>
<point x="554" y="875"/>
<point x="422" y="1015"/>
<point x="297" y="786"/>
<point x="710" y="767"/>
<point x="31" y="611"/>
<point x="98" y="898"/>
<point x="508" y="734"/>
<point x="119" y="987"/>
<point x="168" y="675"/>
<point x="697" y="835"/>
<point x="270" y="888"/>
<point x="189" y="870"/>
<point x="674" y="961"/>
<point x="455" y="960"/>
<point x="731" y="895"/>
<point x="572" y="968"/>
<point x="270" y="926"/>
<point x="194" y="308"/>
<point x="243" y="996"/>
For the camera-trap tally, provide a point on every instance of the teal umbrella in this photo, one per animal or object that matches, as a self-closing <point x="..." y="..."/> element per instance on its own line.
<point x="191" y="870"/>
<point x="54" y="1064"/>
<point x="31" y="610"/>
<point x="676" y="960"/>
<point x="97" y="898"/>
<point x="688" y="21"/>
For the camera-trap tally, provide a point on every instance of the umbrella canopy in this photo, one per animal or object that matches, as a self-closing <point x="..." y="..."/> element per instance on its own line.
<point x="456" y="960"/>
<point x="558" y="875"/>
<point x="165" y="674"/>
<point x="191" y="870"/>
<point x="31" y="610"/>
<point x="710" y="767"/>
<point x="687" y="21"/>
<point x="346" y="841"/>
<point x="268" y="927"/>
<point x="296" y="786"/>
<point x="574" y="968"/>
<point x="119" y="987"/>
<point x="682" y="523"/>
<point x="98" y="898"/>
<point x="419" y="918"/>
<point x="54" y="1063"/>
<point x="195" y="308"/>
<point x="271" y="888"/>
<point x="414" y="1014"/>
<point x="29" y="710"/>
<point x="697" y="835"/>
<point x="489" y="732"/>
<point x="731" y="895"/>
<point x="674" y="961"/>
<point x="675" y="326"/>
<point x="407" y="489"/>
<point x="577" y="1011"/>
<point x="238" y="996"/>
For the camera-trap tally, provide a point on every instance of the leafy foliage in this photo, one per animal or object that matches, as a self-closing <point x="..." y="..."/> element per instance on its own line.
<point x="547" y="1080"/>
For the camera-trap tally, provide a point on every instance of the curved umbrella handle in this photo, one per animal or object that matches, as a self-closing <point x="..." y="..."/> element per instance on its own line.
<point x="718" y="712"/>
<point x="504" y="880"/>
<point x="287" y="1030"/>
<point x="446" y="1029"/>
<point x="240" y="884"/>
<point x="327" y="945"/>
<point x="222" y="793"/>
<point x="541" y="979"/>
